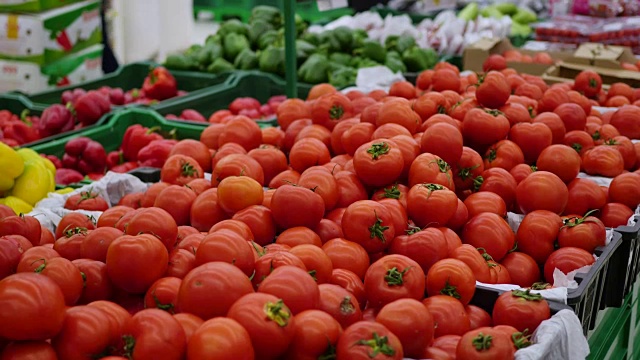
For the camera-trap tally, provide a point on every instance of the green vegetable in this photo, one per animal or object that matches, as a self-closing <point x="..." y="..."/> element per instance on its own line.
<point x="344" y="36"/>
<point x="179" y="62"/>
<point x="272" y="60"/>
<point x="340" y="58"/>
<point x="246" y="60"/>
<point x="220" y="65"/>
<point x="358" y="38"/>
<point x="373" y="50"/>
<point x="366" y="62"/>
<point x="314" y="70"/>
<point x="233" y="45"/>
<point x="267" y="13"/>
<point x="233" y="26"/>
<point x="311" y="38"/>
<point x="329" y="41"/>
<point x="268" y="38"/>
<point x="213" y="39"/>
<point x="404" y="43"/>
<point x="304" y="50"/>
<point x="257" y="28"/>
<point x="391" y="41"/>
<point x="208" y="54"/>
<point x="333" y="66"/>
<point x="506" y="8"/>
<point x="418" y="59"/>
<point x="518" y="29"/>
<point x="394" y="62"/>
<point x="343" y="77"/>
<point x="470" y="12"/>
<point x="492" y="11"/>
<point x="524" y="16"/>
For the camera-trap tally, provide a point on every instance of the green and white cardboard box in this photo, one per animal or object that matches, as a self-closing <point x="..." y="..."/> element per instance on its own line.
<point x="33" y="5"/>
<point x="31" y="78"/>
<point x="49" y="36"/>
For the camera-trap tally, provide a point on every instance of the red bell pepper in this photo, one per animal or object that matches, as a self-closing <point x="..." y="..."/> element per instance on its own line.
<point x="91" y="106"/>
<point x="160" y="84"/>
<point x="243" y="103"/>
<point x="21" y="130"/>
<point x="66" y="176"/>
<point x="70" y="96"/>
<point x="135" y="138"/>
<point x="55" y="119"/>
<point x="192" y="115"/>
<point x="54" y="159"/>
<point x="114" y="159"/>
<point x="156" y="153"/>
<point x="126" y="167"/>
<point x="85" y="155"/>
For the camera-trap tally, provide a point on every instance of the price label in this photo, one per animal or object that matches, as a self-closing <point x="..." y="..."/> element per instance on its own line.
<point x="325" y="5"/>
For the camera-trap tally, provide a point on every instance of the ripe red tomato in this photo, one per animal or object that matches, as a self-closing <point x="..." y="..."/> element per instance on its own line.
<point x="29" y="350"/>
<point x="136" y="262"/>
<point x="180" y="169"/>
<point x="24" y="225"/>
<point x="27" y="296"/>
<point x="156" y="334"/>
<point x="236" y="193"/>
<point x="411" y="322"/>
<point x="560" y="160"/>
<point x="226" y="246"/>
<point x="532" y="139"/>
<point x="448" y="344"/>
<point x="233" y="341"/>
<point x="467" y="169"/>
<point x="177" y="201"/>
<point x="443" y="140"/>
<point x="586" y="233"/>
<point x="603" y="160"/>
<point x="156" y="222"/>
<point x="584" y="195"/>
<point x="89" y="201"/>
<point x="86" y="333"/>
<point x="485" y="201"/>
<point x="485" y="343"/>
<point x="425" y="247"/>
<point x="209" y="290"/>
<point x="273" y="259"/>
<point x="163" y="294"/>
<point x="110" y="217"/>
<point x="542" y="182"/>
<point x="300" y="293"/>
<point x="97" y="285"/>
<point x="206" y="210"/>
<point x="499" y="181"/>
<point x="378" y="163"/>
<point x="588" y="82"/>
<point x="490" y="232"/>
<point x="478" y="317"/>
<point x="430" y="169"/>
<point x="566" y="260"/>
<point x="424" y="199"/>
<point x="190" y="323"/>
<point x="482" y="128"/>
<point x="366" y="340"/>
<point x="493" y="91"/>
<point x="269" y="322"/>
<point x="341" y="304"/>
<point x="522" y="268"/>
<point x="537" y="234"/>
<point x="63" y="273"/>
<point x="350" y="282"/>
<point x="369" y="224"/>
<point x="520" y="309"/>
<point x="236" y="165"/>
<point x="449" y="314"/>
<point x="474" y="260"/>
<point x="579" y="140"/>
<point x="296" y="206"/>
<point x="391" y="278"/>
<point x="347" y="255"/>
<point x="453" y="278"/>
<point x="316" y="335"/>
<point x="624" y="189"/>
<point x="615" y="214"/>
<point x="73" y="220"/>
<point x="181" y="262"/>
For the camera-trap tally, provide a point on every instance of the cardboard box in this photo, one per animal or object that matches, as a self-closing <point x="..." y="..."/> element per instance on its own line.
<point x="31" y="78"/>
<point x="33" y="5"/>
<point x="601" y="55"/>
<point x="47" y="37"/>
<point x="566" y="72"/>
<point x="475" y="55"/>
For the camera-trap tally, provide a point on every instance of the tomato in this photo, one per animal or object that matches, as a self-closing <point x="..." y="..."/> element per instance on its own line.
<point x="237" y="165"/>
<point x="603" y="160"/>
<point x="308" y="152"/>
<point x="499" y="181"/>
<point x="586" y="233"/>
<point x="437" y="353"/>
<point x="588" y="82"/>
<point x="32" y="307"/>
<point x="243" y="131"/>
<point x="572" y="115"/>
<point x="478" y="317"/>
<point x="490" y="232"/>
<point x="453" y="278"/>
<point x="532" y="139"/>
<point x="316" y="336"/>
<point x="520" y="309"/>
<point x="181" y="262"/>
<point x="554" y="123"/>
<point x="71" y="221"/>
<point x="190" y="323"/>
<point x="231" y="338"/>
<point x="602" y="133"/>
<point x="206" y="210"/>
<point x="485" y="201"/>
<point x="369" y="340"/>
<point x="584" y="195"/>
<point x="468" y="168"/>
<point x="341" y="304"/>
<point x="300" y="293"/>
<point x="615" y="214"/>
<point x="328" y="110"/>
<point x="624" y="189"/>
<point x="236" y="193"/>
<point x="411" y="321"/>
<point x="494" y="90"/>
<point x="63" y="273"/>
<point x="194" y="149"/>
<point x="485" y="343"/>
<point x="560" y="160"/>
<point x="504" y="154"/>
<point x="89" y="201"/>
<point x="391" y="278"/>
<point x="163" y="294"/>
<point x="623" y="120"/>
<point x="215" y="280"/>
<point x="24" y="225"/>
<point x="293" y="206"/>
<point x="180" y="169"/>
<point x="378" y="163"/>
<point x="580" y="141"/>
<point x="291" y="110"/>
<point x="428" y="168"/>
<point x="46" y="236"/>
<point x="448" y="344"/>
<point x="350" y="282"/>
<point x="537" y="234"/>
<point x="157" y="222"/>
<point x="542" y="182"/>
<point x="424" y="199"/>
<point x="70" y="245"/>
<point x="317" y="132"/>
<point x="10" y="253"/>
<point x="369" y="224"/>
<point x="425" y="247"/>
<point x="398" y="113"/>
<point x="269" y="322"/>
<point x="154" y="333"/>
<point x="177" y="201"/>
<point x="86" y="333"/>
<point x="443" y="140"/>
<point x="29" y="350"/>
<point x="470" y="256"/>
<point x="448" y="314"/>
<point x="328" y="229"/>
<point x="316" y="261"/>
<point x="152" y="192"/>
<point x="482" y="128"/>
<point x="522" y="268"/>
<point x="566" y="260"/>
<point x="97" y="285"/>
<point x="136" y="262"/>
<point x="110" y="217"/>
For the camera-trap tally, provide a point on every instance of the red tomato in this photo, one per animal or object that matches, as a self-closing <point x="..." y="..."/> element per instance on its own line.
<point x="504" y="154"/>
<point x="478" y="317"/>
<point x="485" y="201"/>
<point x="566" y="260"/>
<point x="369" y="224"/>
<point x="236" y="165"/>
<point x="467" y="169"/>
<point x="378" y="163"/>
<point x="494" y="90"/>
<point x="443" y="140"/>
<point x="347" y="255"/>
<point x="426" y="247"/>
<point x="316" y="335"/>
<point x="453" y="278"/>
<point x="316" y="261"/>
<point x="350" y="189"/>
<point x="260" y="221"/>
<point x="523" y="269"/>
<point x="624" y="120"/>
<point x="626" y="148"/>
<point x="233" y="341"/>
<point x="155" y="334"/>
<point x="362" y="339"/>
<point x="580" y="141"/>
<point x="572" y="115"/>
<point x="586" y="233"/>
<point x="391" y="278"/>
<point x="177" y="201"/>
<point x="29" y="350"/>
<point x="449" y="314"/>
<point x="588" y="82"/>
<point x="89" y="201"/>
<point x="156" y="222"/>
<point x="482" y="128"/>
<point x="624" y="189"/>
<point x="532" y="139"/>
<point x="24" y="225"/>
<point x="554" y="123"/>
<point x="28" y="296"/>
<point x="424" y="199"/>
<point x="542" y="182"/>
<point x="474" y="260"/>
<point x="411" y="321"/>
<point x="300" y="293"/>
<point x="97" y="285"/>
<point x="615" y="214"/>
<point x="603" y="160"/>
<point x="110" y="217"/>
<point x="537" y="234"/>
<point x="328" y="229"/>
<point x="296" y="206"/>
<point x="430" y="169"/>
<point x="448" y="344"/>
<point x="520" y="309"/>
<point x="163" y="294"/>
<point x="269" y="322"/>
<point x="180" y="169"/>
<point x="341" y="304"/>
<point x="181" y="262"/>
<point x="499" y="181"/>
<point x="560" y="160"/>
<point x="584" y="195"/>
<point x="350" y="282"/>
<point x="74" y="222"/>
<point x="490" y="232"/>
<point x="206" y="210"/>
<point x="485" y="343"/>
<point x="63" y="273"/>
<point x="75" y="342"/>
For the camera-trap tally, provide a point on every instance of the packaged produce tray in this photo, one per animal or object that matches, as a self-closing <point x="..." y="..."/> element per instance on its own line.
<point x="255" y="84"/>
<point x="132" y="76"/>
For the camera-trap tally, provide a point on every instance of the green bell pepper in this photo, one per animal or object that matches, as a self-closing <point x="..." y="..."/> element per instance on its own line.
<point x="340" y="58"/>
<point x="179" y="62"/>
<point x="394" y="62"/>
<point x="272" y="60"/>
<point x="359" y="38"/>
<point x="246" y="60"/>
<point x="257" y="28"/>
<point x="233" y="26"/>
<point x="268" y="38"/>
<point x="404" y="43"/>
<point x="213" y="39"/>
<point x="417" y="59"/>
<point x="344" y="36"/>
<point x="343" y="77"/>
<point x="208" y="54"/>
<point x="391" y="41"/>
<point x="311" y="38"/>
<point x="366" y="62"/>
<point x="304" y="50"/>
<point x="373" y="50"/>
<point x="220" y="65"/>
<point x="314" y="70"/>
<point x="330" y="42"/>
<point x="233" y="45"/>
<point x="267" y="13"/>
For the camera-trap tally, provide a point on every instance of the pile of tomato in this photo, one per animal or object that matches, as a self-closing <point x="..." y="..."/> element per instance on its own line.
<point x="355" y="230"/>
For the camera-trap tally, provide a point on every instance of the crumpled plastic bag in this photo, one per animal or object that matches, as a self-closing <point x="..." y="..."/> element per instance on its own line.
<point x="375" y="78"/>
<point x="112" y="187"/>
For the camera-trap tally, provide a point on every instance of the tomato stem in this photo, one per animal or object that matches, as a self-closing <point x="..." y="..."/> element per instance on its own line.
<point x="378" y="149"/>
<point x="540" y="285"/>
<point x="393" y="192"/>
<point x="40" y="268"/>
<point x="412" y="230"/>
<point x="313" y="275"/>
<point x="377" y="230"/>
<point x="336" y="112"/>
<point x="129" y="345"/>
<point x="450" y="290"/>
<point x="521" y="339"/>
<point x="577" y="147"/>
<point x="527" y="295"/>
<point x="596" y="135"/>
<point x="346" y="307"/>
<point x="492" y="155"/>
<point x="187" y="169"/>
<point x="379" y="345"/>
<point x="166" y="307"/>
<point x="395" y="277"/>
<point x="482" y="342"/>
<point x="477" y="183"/>
<point x="277" y="313"/>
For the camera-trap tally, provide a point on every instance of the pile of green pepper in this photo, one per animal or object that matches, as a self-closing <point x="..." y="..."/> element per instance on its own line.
<point x="332" y="56"/>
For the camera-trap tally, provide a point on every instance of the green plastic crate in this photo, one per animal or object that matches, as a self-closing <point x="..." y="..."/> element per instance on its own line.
<point x="132" y="76"/>
<point x="610" y="338"/>
<point x="256" y="84"/>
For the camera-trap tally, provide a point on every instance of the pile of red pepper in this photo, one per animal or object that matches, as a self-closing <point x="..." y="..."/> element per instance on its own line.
<point x="247" y="106"/>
